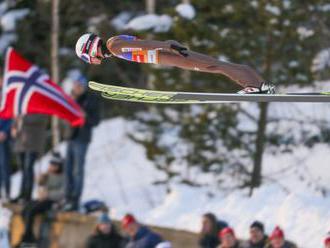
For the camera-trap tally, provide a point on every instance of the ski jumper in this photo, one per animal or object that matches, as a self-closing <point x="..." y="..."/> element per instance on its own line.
<point x="241" y="74"/>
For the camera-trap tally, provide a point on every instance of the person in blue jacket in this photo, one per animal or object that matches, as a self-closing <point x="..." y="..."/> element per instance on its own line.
<point x="5" y="126"/>
<point x="5" y="157"/>
<point x="139" y="236"/>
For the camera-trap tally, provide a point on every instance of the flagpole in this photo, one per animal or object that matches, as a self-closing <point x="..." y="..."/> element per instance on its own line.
<point x="55" y="65"/>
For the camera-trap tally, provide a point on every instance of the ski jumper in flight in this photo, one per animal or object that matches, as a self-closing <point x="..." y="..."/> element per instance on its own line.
<point x="93" y="50"/>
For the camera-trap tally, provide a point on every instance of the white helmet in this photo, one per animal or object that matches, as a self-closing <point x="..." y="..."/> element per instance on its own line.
<point x="86" y="46"/>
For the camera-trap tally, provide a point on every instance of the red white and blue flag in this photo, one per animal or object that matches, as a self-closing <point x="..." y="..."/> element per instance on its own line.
<point x="27" y="90"/>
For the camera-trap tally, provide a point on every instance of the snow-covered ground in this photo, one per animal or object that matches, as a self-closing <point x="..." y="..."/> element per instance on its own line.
<point x="186" y="11"/>
<point x="119" y="173"/>
<point x="8" y="21"/>
<point x="157" y="23"/>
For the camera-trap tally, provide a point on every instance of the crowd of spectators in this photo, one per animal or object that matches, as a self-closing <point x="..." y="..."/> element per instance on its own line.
<point x="214" y="234"/>
<point x="217" y="234"/>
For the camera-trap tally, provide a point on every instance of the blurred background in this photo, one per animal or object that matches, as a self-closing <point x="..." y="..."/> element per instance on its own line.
<point x="168" y="165"/>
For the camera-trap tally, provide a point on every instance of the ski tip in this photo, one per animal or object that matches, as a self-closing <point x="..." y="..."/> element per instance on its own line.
<point x="95" y="86"/>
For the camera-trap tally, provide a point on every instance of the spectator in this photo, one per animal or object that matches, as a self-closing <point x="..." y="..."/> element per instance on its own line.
<point x="277" y="240"/>
<point x="105" y="235"/>
<point x="228" y="239"/>
<point x="139" y="236"/>
<point x="30" y="137"/>
<point x="258" y="238"/>
<point x="78" y="141"/>
<point x="4" y="155"/>
<point x="51" y="193"/>
<point x="327" y="241"/>
<point x="210" y="229"/>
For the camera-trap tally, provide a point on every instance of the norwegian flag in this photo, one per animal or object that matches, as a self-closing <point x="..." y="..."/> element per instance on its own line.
<point x="27" y="90"/>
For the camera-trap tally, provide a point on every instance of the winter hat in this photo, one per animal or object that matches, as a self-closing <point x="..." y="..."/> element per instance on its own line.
<point x="77" y="77"/>
<point x="93" y="206"/>
<point x="127" y="220"/>
<point x="258" y="225"/>
<point x="104" y="219"/>
<point x="226" y="230"/>
<point x="277" y="233"/>
<point x="56" y="159"/>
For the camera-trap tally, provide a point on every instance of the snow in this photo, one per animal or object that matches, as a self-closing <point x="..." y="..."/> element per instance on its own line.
<point x="127" y="170"/>
<point x="299" y="209"/>
<point x="325" y="7"/>
<point x="8" y="25"/>
<point x="321" y="60"/>
<point x="186" y="10"/>
<point x="223" y="58"/>
<point x="94" y="21"/>
<point x="287" y="23"/>
<point x="254" y="4"/>
<point x="224" y="32"/>
<point x="287" y="4"/>
<point x="71" y="76"/>
<point x="120" y="174"/>
<point x="157" y="23"/>
<point x="293" y="64"/>
<point x="9" y="19"/>
<point x="3" y="7"/>
<point x="304" y="32"/>
<point x="5" y="215"/>
<point x="119" y="22"/>
<point x="273" y="9"/>
<point x="228" y="9"/>
<point x="298" y="215"/>
<point x="6" y="40"/>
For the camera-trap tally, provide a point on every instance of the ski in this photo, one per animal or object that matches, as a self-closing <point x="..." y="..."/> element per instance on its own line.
<point x="171" y="97"/>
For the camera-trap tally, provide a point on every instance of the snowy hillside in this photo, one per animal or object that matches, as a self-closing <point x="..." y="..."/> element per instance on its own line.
<point x="118" y="172"/>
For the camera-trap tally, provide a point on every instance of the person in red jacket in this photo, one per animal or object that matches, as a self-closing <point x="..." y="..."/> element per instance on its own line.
<point x="139" y="236"/>
<point x="93" y="50"/>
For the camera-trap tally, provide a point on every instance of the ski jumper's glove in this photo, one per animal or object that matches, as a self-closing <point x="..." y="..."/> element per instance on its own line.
<point x="178" y="48"/>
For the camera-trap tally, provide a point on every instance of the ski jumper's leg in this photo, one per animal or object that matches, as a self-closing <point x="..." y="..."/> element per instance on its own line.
<point x="241" y="74"/>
